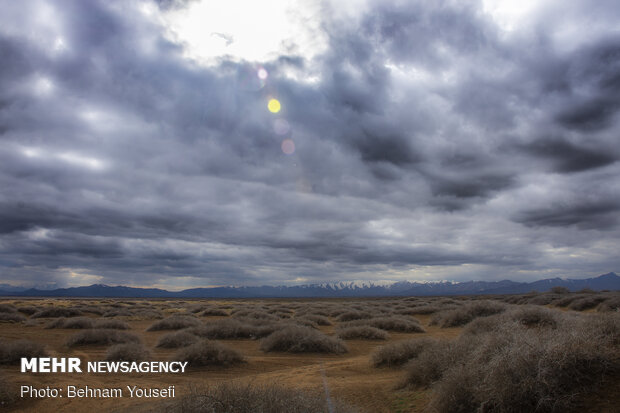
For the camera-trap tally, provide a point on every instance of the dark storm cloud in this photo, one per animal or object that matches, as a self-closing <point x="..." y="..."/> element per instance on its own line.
<point x="416" y="32"/>
<point x="596" y="67"/>
<point x="471" y="186"/>
<point x="567" y="157"/>
<point x="423" y="135"/>
<point x="601" y="216"/>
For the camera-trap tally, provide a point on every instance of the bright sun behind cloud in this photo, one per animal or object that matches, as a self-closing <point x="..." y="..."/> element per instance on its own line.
<point x="246" y="30"/>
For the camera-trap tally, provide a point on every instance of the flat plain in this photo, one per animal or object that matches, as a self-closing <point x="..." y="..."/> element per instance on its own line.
<point x="532" y="352"/>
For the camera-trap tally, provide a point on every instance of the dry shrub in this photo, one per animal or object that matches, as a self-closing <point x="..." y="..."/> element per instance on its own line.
<point x="397" y="354"/>
<point x="12" y="351"/>
<point x="305" y="322"/>
<point x="122" y="312"/>
<point x="209" y="353"/>
<point x="282" y="314"/>
<point x="234" y="329"/>
<point x="316" y="319"/>
<point x="213" y="312"/>
<point x="544" y="299"/>
<point x="101" y="337"/>
<point x="534" y="316"/>
<point x="610" y="304"/>
<point x="559" y="290"/>
<point x="175" y="322"/>
<point x="422" y="310"/>
<point x="586" y="303"/>
<point x="54" y="312"/>
<point x="248" y="398"/>
<point x="353" y="315"/>
<point x="565" y="301"/>
<point x="7" y="308"/>
<point x="483" y="325"/>
<point x="313" y="311"/>
<point x="466" y="313"/>
<point x="516" y="299"/>
<point x="225" y="329"/>
<point x="298" y="339"/>
<point x="73" y="323"/>
<point x="91" y="309"/>
<point x="28" y="309"/>
<point x="196" y="308"/>
<point x="177" y="339"/>
<point x="280" y="309"/>
<point x="255" y="315"/>
<point x="12" y="317"/>
<point x="362" y="332"/>
<point x="147" y="314"/>
<point x="127" y="352"/>
<point x="393" y="323"/>
<point x="111" y="324"/>
<point x="513" y="368"/>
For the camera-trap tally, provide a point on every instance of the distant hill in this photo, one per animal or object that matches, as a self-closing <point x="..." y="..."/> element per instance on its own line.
<point x="609" y="281"/>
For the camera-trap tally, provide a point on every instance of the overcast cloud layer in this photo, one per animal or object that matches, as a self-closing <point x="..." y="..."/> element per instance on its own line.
<point x="430" y="143"/>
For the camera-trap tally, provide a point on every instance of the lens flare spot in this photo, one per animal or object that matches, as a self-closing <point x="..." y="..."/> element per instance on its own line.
<point x="248" y="79"/>
<point x="262" y="73"/>
<point x="274" y="105"/>
<point x="281" y="127"/>
<point x="288" y="146"/>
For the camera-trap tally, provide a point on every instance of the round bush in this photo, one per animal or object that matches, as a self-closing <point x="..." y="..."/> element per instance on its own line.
<point x="209" y="353"/>
<point x="299" y="339"/>
<point x="177" y="339"/>
<point x="362" y="332"/>
<point x="127" y="352"/>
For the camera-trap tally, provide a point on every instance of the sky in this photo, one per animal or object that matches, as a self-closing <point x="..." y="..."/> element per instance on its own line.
<point x="177" y="144"/>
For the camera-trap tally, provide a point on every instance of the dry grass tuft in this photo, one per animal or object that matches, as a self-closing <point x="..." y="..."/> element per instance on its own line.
<point x="423" y="309"/>
<point x="513" y="368"/>
<point x="28" y="309"/>
<point x="316" y="319"/>
<point x="175" y="322"/>
<point x="362" y="332"/>
<point x="298" y="339"/>
<point x="12" y="317"/>
<point x="209" y="353"/>
<point x="101" y="337"/>
<point x="54" y="312"/>
<point x="12" y="351"/>
<point x="111" y="324"/>
<point x="353" y="315"/>
<point x="73" y="323"/>
<point x="610" y="304"/>
<point x="466" y="313"/>
<point x="7" y="308"/>
<point x="255" y="315"/>
<point x="586" y="303"/>
<point x="534" y="316"/>
<point x="401" y="324"/>
<point x="234" y="329"/>
<point x="177" y="339"/>
<point x="127" y="352"/>
<point x="397" y="354"/>
<point x="213" y="312"/>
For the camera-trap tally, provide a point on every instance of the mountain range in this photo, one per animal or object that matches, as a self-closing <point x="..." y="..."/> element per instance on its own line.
<point x="609" y="281"/>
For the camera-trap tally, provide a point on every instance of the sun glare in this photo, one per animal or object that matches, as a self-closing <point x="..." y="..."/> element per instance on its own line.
<point x="246" y="30"/>
<point x="274" y="105"/>
<point x="509" y="14"/>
